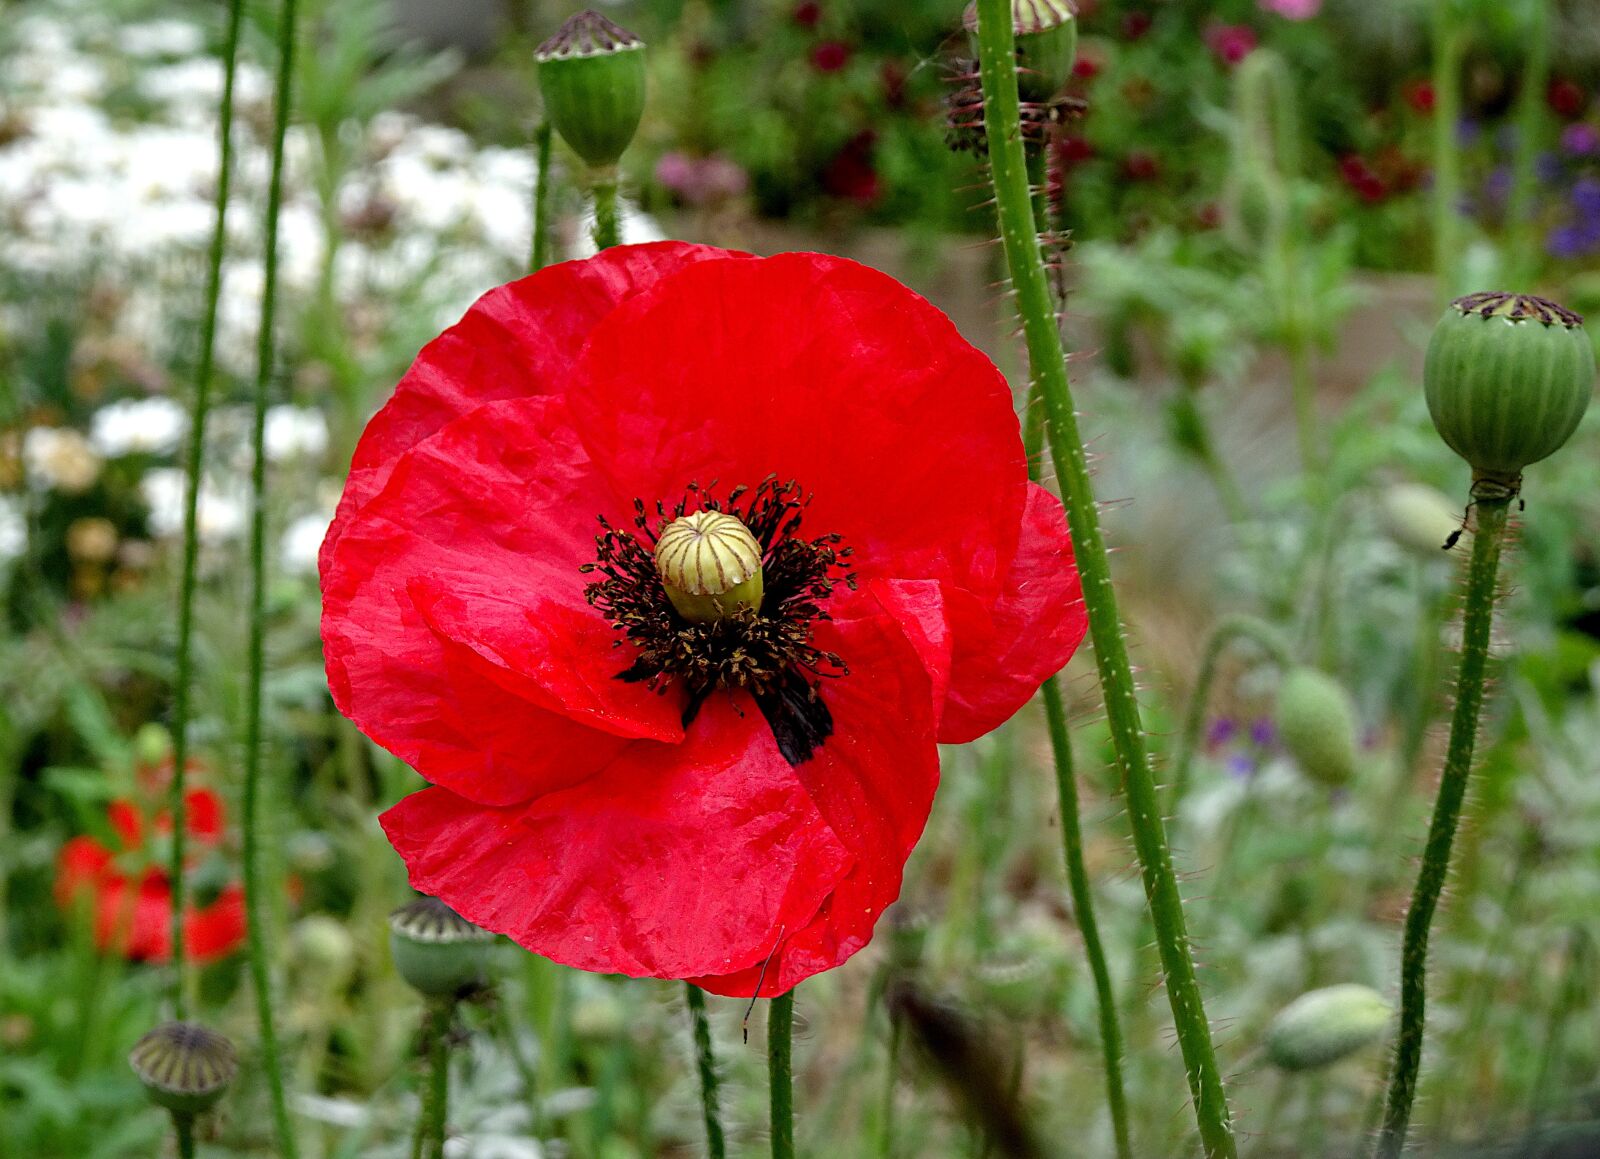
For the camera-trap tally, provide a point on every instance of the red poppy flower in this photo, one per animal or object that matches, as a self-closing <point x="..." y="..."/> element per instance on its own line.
<point x="619" y="786"/>
<point x="830" y="56"/>
<point x="129" y="897"/>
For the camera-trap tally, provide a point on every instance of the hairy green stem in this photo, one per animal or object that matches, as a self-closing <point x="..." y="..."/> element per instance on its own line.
<point x="1478" y="618"/>
<point x="540" y="256"/>
<point x="1083" y="910"/>
<point x="780" y="1073"/>
<point x="194" y="456"/>
<point x="255" y="895"/>
<point x="1227" y="630"/>
<point x="607" y="227"/>
<point x="1449" y="48"/>
<point x="706" y="1062"/>
<point x="1002" y="117"/>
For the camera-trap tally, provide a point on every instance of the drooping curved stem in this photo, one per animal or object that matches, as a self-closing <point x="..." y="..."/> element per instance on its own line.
<point x="194" y="461"/>
<point x="706" y="1063"/>
<point x="607" y="227"/>
<point x="539" y="258"/>
<point x="254" y="891"/>
<point x="1478" y="619"/>
<point x="780" y="1073"/>
<point x="1002" y="124"/>
<point x="1228" y="629"/>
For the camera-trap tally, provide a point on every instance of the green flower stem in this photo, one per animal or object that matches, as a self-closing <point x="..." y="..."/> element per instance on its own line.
<point x="183" y="1127"/>
<point x="1449" y="49"/>
<point x="1228" y="629"/>
<point x="997" y="61"/>
<point x="439" y="1077"/>
<point x="891" y="1080"/>
<point x="255" y="894"/>
<point x="780" y="1071"/>
<point x="1083" y="910"/>
<point x="1478" y="618"/>
<point x="607" y="228"/>
<point x="1530" y="113"/>
<point x="193" y="462"/>
<point x="706" y="1061"/>
<point x="540" y="257"/>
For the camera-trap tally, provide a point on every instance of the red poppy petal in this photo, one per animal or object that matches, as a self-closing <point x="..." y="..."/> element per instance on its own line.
<point x="80" y="866"/>
<point x="516" y="341"/>
<point x="126" y="820"/>
<point x="216" y="930"/>
<point x="820" y="370"/>
<point x="706" y="856"/>
<point x="877" y="801"/>
<point x="204" y="815"/>
<point x="1002" y="656"/>
<point x="477" y="543"/>
<point x="148" y="928"/>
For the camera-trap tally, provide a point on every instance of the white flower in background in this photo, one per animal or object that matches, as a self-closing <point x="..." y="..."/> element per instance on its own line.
<point x="161" y="38"/>
<point x="59" y="459"/>
<point x="302" y="540"/>
<point x="13" y="529"/>
<point x="142" y="426"/>
<point x="220" y="515"/>
<point x="295" y="432"/>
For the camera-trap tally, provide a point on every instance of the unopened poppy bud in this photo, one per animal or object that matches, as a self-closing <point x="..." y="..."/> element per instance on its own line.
<point x="1507" y="378"/>
<point x="1418" y="518"/>
<point x="1047" y="44"/>
<point x="184" y="1067"/>
<point x="1317" y="721"/>
<point x="1323" y="1026"/>
<point x="592" y="75"/>
<point x="710" y="565"/>
<point x="436" y="950"/>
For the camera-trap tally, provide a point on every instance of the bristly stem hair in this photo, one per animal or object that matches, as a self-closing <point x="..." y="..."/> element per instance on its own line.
<point x="255" y="895"/>
<point x="1477" y="622"/>
<point x="1003" y="129"/>
<point x="194" y="462"/>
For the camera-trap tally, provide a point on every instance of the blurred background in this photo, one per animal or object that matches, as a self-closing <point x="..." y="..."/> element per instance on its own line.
<point x="1242" y="198"/>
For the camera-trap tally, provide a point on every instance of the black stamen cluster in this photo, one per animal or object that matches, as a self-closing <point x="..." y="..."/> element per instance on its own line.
<point x="766" y="651"/>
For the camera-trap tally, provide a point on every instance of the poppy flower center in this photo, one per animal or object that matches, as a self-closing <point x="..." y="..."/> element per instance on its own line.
<point x="724" y="597"/>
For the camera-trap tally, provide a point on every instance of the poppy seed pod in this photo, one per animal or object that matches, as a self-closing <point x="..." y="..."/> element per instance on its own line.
<point x="1419" y="518"/>
<point x="1317" y="722"/>
<point x="592" y="76"/>
<point x="710" y="565"/>
<point x="437" y="951"/>
<point x="1508" y="377"/>
<point x="1323" y="1026"/>
<point x="1047" y="44"/>
<point x="184" y="1066"/>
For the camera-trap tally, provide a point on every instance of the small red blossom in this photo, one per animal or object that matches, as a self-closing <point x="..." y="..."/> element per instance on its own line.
<point x="807" y="15"/>
<point x="609" y="788"/>
<point x="1420" y="96"/>
<point x="852" y="174"/>
<point x="127" y="893"/>
<point x="1136" y="25"/>
<point x="830" y="56"/>
<point x="1231" y="43"/>
<point x="1360" y="177"/>
<point x="1566" y="98"/>
<point x="1072" y="150"/>
<point x="1086" y="68"/>
<point x="1141" y="165"/>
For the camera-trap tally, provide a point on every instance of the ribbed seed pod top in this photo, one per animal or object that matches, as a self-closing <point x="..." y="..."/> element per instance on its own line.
<point x="710" y="565"/>
<point x="184" y="1066"/>
<point x="436" y="950"/>
<point x="1508" y="378"/>
<point x="592" y="76"/>
<point x="1047" y="44"/>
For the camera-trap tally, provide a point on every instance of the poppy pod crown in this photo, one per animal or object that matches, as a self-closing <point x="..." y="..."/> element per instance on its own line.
<point x="670" y="569"/>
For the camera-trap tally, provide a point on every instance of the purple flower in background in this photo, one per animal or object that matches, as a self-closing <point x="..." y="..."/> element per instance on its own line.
<point x="1497" y="186"/>
<point x="1467" y="132"/>
<point x="1581" y="139"/>
<point x="1567" y="241"/>
<point x="1240" y="767"/>
<point x="1262" y="733"/>
<point x="1547" y="167"/>
<point x="1221" y="731"/>
<point x="1586" y="198"/>
<point x="1293" y="9"/>
<point x="701" y="180"/>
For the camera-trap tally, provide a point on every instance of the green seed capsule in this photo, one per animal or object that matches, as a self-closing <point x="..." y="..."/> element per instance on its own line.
<point x="1047" y="45"/>
<point x="1323" y="1026"/>
<point x="1508" y="377"/>
<point x="1418" y="518"/>
<point x="592" y="75"/>
<point x="436" y="950"/>
<point x="1317" y="721"/>
<point x="184" y="1066"/>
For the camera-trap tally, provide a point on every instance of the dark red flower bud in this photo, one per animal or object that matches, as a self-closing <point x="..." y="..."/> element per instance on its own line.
<point x="807" y="15"/>
<point x="1420" y="96"/>
<point x="830" y="56"/>
<point x="1135" y="25"/>
<point x="1566" y="98"/>
<point x="1086" y="68"/>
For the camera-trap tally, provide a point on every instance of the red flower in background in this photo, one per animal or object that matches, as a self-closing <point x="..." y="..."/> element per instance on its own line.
<point x="126" y="890"/>
<point x="1566" y="98"/>
<point x="1230" y="43"/>
<point x="1420" y="96"/>
<point x="719" y="826"/>
<point x="852" y="174"/>
<point x="807" y="14"/>
<point x="830" y="56"/>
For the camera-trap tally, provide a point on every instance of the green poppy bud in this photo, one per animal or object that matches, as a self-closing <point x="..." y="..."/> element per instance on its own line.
<point x="1418" y="518"/>
<point x="1317" y="721"/>
<point x="184" y="1066"/>
<point x="592" y="75"/>
<point x="1047" y="45"/>
<point x="436" y="950"/>
<point x="1321" y="1027"/>
<point x="1508" y="377"/>
<point x="710" y="565"/>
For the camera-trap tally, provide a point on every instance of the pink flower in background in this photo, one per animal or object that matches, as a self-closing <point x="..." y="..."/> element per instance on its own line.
<point x="1231" y="43"/>
<point x="701" y="180"/>
<point x="1293" y="9"/>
